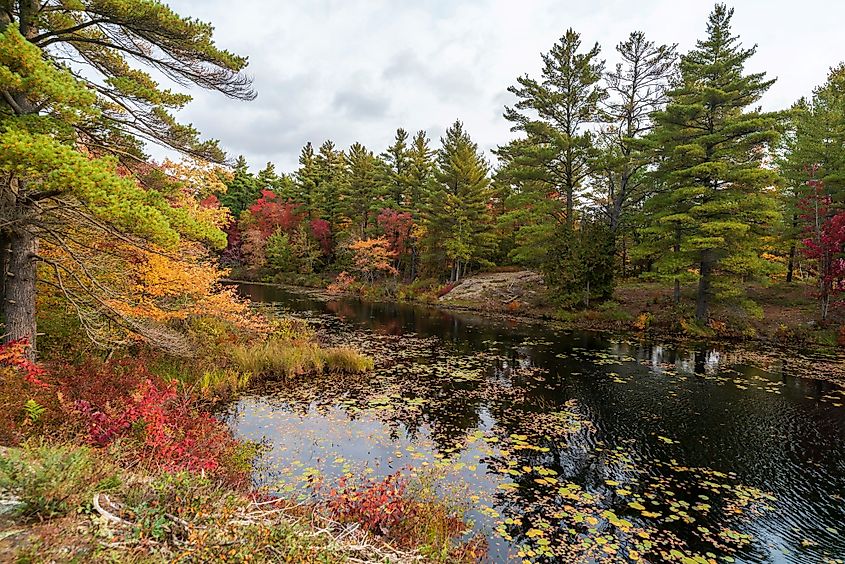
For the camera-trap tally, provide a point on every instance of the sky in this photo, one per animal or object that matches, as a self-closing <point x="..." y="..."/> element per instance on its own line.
<point x="356" y="70"/>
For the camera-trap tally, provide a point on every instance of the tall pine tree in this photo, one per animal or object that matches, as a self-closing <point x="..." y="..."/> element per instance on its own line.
<point x="457" y="218"/>
<point x="397" y="172"/>
<point x="553" y="112"/>
<point x="717" y="205"/>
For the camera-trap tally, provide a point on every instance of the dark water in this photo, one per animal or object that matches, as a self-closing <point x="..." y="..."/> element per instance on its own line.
<point x="566" y="445"/>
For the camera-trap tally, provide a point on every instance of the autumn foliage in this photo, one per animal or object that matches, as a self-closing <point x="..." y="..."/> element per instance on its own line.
<point x="373" y="257"/>
<point x="824" y="243"/>
<point x="117" y="404"/>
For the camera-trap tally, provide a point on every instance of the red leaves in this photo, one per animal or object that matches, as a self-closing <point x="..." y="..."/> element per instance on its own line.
<point x="163" y="428"/>
<point x="377" y="505"/>
<point x="270" y="213"/>
<point x="397" y="228"/>
<point x="14" y="354"/>
<point x="825" y="241"/>
<point x="321" y="230"/>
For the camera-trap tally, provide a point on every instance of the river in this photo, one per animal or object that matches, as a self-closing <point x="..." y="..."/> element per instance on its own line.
<point x="564" y="445"/>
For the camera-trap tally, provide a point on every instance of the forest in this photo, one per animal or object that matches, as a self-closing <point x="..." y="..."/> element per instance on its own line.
<point x="660" y="168"/>
<point x="126" y="334"/>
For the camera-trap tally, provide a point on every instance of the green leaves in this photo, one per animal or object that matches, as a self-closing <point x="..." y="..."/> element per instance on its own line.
<point x="717" y="203"/>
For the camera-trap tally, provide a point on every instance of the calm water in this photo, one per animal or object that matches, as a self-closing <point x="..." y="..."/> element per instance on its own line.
<point x="565" y="445"/>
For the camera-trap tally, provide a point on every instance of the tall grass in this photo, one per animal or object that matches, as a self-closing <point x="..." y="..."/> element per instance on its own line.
<point x="286" y="359"/>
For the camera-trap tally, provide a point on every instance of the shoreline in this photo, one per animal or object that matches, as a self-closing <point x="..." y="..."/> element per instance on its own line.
<point x="814" y="362"/>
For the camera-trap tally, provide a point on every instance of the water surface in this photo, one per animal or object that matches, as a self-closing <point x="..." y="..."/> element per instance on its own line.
<point x="565" y="445"/>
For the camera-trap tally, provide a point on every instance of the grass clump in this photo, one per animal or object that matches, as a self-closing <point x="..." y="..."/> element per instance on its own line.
<point x="53" y="480"/>
<point x="346" y="359"/>
<point x="278" y="357"/>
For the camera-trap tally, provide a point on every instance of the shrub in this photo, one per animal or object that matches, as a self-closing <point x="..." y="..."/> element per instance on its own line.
<point x="400" y="512"/>
<point x="51" y="480"/>
<point x="579" y="265"/>
<point x="342" y="283"/>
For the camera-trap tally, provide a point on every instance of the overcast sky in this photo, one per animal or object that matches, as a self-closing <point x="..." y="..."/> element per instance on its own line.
<point x="355" y="70"/>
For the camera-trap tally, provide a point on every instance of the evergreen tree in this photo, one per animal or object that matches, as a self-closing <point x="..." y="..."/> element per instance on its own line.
<point x="307" y="178"/>
<point x="636" y="89"/>
<point x="361" y="195"/>
<point x="717" y="205"/>
<point x="552" y="112"/>
<point x="397" y="172"/>
<point x="331" y="170"/>
<point x="420" y="172"/>
<point x="64" y="127"/>
<point x="457" y="214"/>
<point x="531" y="216"/>
<point x="241" y="190"/>
<point x="814" y="153"/>
<point x="579" y="264"/>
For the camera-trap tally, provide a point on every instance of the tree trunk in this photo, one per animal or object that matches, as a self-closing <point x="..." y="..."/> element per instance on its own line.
<point x="676" y="296"/>
<point x="19" y="299"/>
<point x="702" y="302"/>
<point x="4" y="263"/>
<point x="790" y="266"/>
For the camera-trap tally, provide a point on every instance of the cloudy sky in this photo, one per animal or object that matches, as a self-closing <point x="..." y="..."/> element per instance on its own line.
<point x="355" y="70"/>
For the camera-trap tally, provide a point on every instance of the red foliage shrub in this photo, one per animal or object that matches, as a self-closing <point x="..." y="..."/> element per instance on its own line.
<point x="159" y="428"/>
<point x="321" y="230"/>
<point x="386" y="507"/>
<point x="23" y="382"/>
<point x="446" y="289"/>
<point x="14" y="355"/>
<point x="377" y="505"/>
<point x="397" y="227"/>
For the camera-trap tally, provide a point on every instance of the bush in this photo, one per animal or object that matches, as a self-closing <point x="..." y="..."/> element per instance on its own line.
<point x="53" y="480"/>
<point x="579" y="265"/>
<point x="402" y="513"/>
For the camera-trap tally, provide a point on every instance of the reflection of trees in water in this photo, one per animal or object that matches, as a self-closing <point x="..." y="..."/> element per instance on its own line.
<point x="778" y="440"/>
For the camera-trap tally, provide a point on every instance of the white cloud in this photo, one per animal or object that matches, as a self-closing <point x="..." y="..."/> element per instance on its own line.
<point x="356" y="70"/>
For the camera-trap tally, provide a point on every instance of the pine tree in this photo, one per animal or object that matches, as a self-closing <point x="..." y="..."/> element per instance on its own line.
<point x="361" y="194"/>
<point x="717" y="206"/>
<point x="397" y="172"/>
<point x="636" y="89"/>
<point x="241" y="190"/>
<point x="64" y="128"/>
<point x="307" y="178"/>
<point x="552" y="112"/>
<point x="814" y="155"/>
<point x="420" y="172"/>
<point x="457" y="215"/>
<point x="331" y="171"/>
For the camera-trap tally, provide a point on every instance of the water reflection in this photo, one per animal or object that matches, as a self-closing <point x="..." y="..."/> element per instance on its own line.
<point x="609" y="426"/>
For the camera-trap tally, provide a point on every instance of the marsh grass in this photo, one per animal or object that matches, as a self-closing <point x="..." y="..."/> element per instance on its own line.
<point x="283" y="358"/>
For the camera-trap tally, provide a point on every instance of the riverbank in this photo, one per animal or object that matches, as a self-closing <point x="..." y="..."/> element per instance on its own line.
<point x="784" y="325"/>
<point x="120" y="459"/>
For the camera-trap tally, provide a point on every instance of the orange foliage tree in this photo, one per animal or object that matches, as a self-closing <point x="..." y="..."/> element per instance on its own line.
<point x="373" y="256"/>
